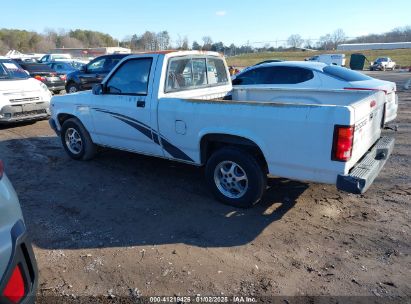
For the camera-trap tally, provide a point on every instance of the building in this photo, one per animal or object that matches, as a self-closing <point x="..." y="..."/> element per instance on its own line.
<point x="373" y="46"/>
<point x="91" y="52"/>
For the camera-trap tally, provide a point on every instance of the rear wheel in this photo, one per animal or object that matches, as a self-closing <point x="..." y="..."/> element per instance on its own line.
<point x="236" y="177"/>
<point x="76" y="140"/>
<point x="72" y="88"/>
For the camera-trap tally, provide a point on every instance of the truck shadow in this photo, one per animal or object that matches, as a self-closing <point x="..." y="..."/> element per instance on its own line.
<point x="122" y="199"/>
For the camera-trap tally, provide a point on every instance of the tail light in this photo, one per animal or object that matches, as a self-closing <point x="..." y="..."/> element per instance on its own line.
<point x="1" y="169"/>
<point x="343" y="143"/>
<point x="15" y="289"/>
<point x="41" y="78"/>
<point x="63" y="77"/>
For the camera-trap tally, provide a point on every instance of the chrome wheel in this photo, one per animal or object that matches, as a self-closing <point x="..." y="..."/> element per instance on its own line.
<point x="72" y="89"/>
<point x="73" y="141"/>
<point x="230" y="179"/>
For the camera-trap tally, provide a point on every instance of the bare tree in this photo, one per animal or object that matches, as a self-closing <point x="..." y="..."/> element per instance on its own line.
<point x="295" y="41"/>
<point x="338" y="37"/>
<point x="69" y="42"/>
<point x="325" y="42"/>
<point x="207" y="43"/>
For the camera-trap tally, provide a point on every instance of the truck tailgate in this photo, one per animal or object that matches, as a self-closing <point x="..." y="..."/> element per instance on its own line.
<point x="369" y="115"/>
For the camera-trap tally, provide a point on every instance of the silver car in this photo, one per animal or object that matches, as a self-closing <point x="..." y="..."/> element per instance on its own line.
<point x="18" y="269"/>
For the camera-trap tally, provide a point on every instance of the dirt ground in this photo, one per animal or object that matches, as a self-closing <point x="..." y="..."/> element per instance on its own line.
<point x="130" y="225"/>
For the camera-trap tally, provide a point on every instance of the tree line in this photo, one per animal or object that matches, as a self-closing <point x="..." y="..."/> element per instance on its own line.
<point x="29" y="41"/>
<point x="332" y="40"/>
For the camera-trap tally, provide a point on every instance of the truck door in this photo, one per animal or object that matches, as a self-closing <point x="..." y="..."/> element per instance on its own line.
<point x="122" y="113"/>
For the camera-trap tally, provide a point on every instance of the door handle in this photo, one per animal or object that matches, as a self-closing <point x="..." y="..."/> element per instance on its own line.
<point x="141" y="103"/>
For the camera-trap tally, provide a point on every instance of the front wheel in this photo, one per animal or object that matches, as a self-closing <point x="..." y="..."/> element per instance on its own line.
<point x="236" y="177"/>
<point x="76" y="140"/>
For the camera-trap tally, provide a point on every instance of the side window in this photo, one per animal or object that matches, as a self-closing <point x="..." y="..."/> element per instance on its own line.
<point x="216" y="71"/>
<point x="131" y="78"/>
<point x="191" y="73"/>
<point x="285" y="75"/>
<point x="179" y="74"/>
<point x="96" y="66"/>
<point x="250" y="77"/>
<point x="111" y="63"/>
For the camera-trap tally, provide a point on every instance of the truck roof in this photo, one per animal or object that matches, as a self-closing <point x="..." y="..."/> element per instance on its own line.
<point x="175" y="53"/>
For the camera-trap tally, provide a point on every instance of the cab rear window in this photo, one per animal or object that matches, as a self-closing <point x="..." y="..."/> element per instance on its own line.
<point x="188" y="73"/>
<point x="344" y="73"/>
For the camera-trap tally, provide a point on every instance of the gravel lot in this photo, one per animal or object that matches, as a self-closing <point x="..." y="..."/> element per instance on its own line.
<point x="130" y="225"/>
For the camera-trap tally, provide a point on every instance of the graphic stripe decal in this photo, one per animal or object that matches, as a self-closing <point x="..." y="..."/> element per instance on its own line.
<point x="151" y="134"/>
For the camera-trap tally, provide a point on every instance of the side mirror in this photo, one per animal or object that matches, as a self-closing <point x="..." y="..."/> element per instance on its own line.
<point x="98" y="89"/>
<point x="83" y="68"/>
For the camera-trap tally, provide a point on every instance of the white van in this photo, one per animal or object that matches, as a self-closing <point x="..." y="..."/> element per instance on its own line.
<point x="335" y="59"/>
<point x="21" y="97"/>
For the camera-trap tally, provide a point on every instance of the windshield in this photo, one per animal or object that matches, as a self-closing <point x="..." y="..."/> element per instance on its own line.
<point x="77" y="65"/>
<point x="381" y="60"/>
<point x="344" y="73"/>
<point x="11" y="70"/>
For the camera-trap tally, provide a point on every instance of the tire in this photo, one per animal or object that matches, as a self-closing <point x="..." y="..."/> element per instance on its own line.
<point x="72" y="88"/>
<point x="84" y="148"/>
<point x="393" y="68"/>
<point x="243" y="193"/>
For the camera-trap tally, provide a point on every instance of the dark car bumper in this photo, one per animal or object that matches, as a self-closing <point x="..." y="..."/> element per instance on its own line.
<point x="24" y="112"/>
<point x="53" y="125"/>
<point x="55" y="86"/>
<point x="363" y="174"/>
<point x="22" y="257"/>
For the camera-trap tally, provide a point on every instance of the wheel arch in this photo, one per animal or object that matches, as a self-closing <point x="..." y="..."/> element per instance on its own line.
<point x="214" y="141"/>
<point x="62" y="117"/>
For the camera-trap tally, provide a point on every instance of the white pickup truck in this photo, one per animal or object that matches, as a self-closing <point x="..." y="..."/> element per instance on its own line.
<point x="177" y="105"/>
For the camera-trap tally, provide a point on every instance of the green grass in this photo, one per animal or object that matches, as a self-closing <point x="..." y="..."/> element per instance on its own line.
<point x="401" y="56"/>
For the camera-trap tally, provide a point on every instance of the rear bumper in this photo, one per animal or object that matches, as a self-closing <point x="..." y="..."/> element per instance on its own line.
<point x="364" y="172"/>
<point x="23" y="257"/>
<point x="24" y="112"/>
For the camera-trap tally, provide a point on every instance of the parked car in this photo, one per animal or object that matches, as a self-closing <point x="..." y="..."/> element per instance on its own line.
<point x="54" y="81"/>
<point x="21" y="97"/>
<point x="331" y="59"/>
<point x="55" y="57"/>
<point x="315" y="75"/>
<point x="382" y="64"/>
<point x="170" y="105"/>
<point x="268" y="61"/>
<point x="18" y="268"/>
<point x="62" y="67"/>
<point x="92" y="73"/>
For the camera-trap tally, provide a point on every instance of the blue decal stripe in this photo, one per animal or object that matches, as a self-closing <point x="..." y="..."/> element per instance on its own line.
<point x="151" y="134"/>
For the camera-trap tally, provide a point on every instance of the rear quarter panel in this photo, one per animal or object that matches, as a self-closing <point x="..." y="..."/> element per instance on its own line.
<point x="10" y="213"/>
